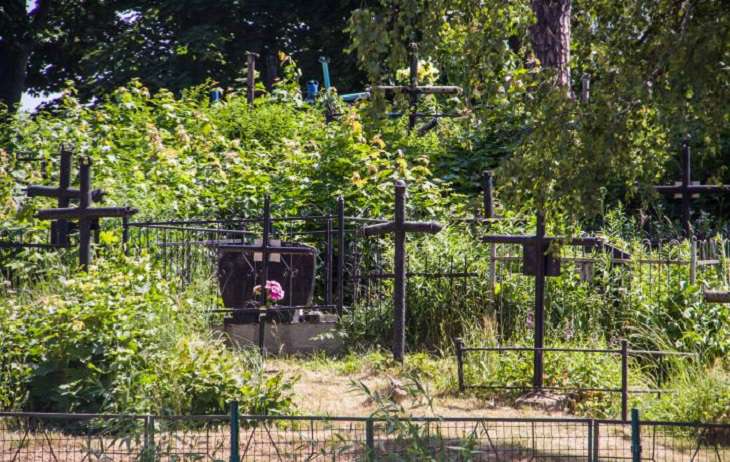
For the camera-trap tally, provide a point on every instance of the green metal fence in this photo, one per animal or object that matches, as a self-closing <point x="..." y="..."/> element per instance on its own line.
<point x="26" y="437"/>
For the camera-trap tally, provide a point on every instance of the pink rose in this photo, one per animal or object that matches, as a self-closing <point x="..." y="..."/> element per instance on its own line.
<point x="274" y="291"/>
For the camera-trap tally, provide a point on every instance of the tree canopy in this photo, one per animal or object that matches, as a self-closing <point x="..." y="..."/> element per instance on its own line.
<point x="101" y="45"/>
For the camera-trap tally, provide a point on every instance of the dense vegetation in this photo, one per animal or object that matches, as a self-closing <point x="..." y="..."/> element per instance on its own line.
<point x="123" y="338"/>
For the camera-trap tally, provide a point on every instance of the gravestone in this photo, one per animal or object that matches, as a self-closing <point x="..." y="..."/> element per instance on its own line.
<point x="240" y="272"/>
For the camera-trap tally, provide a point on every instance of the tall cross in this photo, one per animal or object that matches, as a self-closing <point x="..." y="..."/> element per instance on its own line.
<point x="537" y="261"/>
<point x="60" y="229"/>
<point x="399" y="227"/>
<point x="688" y="189"/>
<point x="84" y="213"/>
<point x="414" y="90"/>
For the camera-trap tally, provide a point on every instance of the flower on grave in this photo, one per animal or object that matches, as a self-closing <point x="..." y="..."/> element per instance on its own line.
<point x="274" y="291"/>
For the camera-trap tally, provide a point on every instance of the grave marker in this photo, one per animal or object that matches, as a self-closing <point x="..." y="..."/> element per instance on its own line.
<point x="413" y="90"/>
<point x="688" y="189"/>
<point x="84" y="213"/>
<point x="60" y="229"/>
<point x="399" y="227"/>
<point x="539" y="263"/>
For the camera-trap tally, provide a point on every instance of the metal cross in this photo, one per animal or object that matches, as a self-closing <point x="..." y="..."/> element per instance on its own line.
<point x="84" y="213"/>
<point x="536" y="261"/>
<point x="688" y="189"/>
<point x="266" y="249"/>
<point x="399" y="227"/>
<point x="60" y="229"/>
<point x="414" y="90"/>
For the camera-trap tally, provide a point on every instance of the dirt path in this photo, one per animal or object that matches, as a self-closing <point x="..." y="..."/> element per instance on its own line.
<point x="325" y="390"/>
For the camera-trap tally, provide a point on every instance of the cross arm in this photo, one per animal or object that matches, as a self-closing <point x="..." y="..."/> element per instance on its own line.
<point x="424" y="89"/>
<point x="76" y="213"/>
<point x="695" y="188"/>
<point x="507" y="239"/>
<point x="238" y="248"/>
<point x="429" y="227"/>
<point x="97" y="195"/>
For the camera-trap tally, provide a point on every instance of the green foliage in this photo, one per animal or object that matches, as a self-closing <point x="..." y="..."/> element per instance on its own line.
<point x="182" y="157"/>
<point x="700" y="395"/>
<point x="121" y="338"/>
<point x="651" y="83"/>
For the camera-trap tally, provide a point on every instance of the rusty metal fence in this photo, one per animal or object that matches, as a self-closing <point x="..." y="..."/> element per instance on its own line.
<point x="26" y="437"/>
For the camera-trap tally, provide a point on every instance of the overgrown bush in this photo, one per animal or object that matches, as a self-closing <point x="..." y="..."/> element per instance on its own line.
<point x="121" y="338"/>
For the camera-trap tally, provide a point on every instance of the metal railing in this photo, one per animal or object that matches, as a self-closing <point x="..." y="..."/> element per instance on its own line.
<point x="26" y="437"/>
<point x="624" y="352"/>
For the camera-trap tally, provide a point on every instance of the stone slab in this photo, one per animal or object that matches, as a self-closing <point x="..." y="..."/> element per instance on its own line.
<point x="303" y="337"/>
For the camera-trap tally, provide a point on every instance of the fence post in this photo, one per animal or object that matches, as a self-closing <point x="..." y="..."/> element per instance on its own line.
<point x="328" y="263"/>
<point x="125" y="234"/>
<point x="693" y="260"/>
<point x="459" y="343"/>
<point x="635" y="436"/>
<point x="148" y="450"/>
<point x="370" y="439"/>
<point x="235" y="457"/>
<point x="596" y="439"/>
<point x="624" y="379"/>
<point x="590" y="440"/>
<point x="340" y="254"/>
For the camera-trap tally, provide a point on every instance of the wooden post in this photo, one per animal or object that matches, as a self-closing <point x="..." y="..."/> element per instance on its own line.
<point x="414" y="86"/>
<point x="250" y="76"/>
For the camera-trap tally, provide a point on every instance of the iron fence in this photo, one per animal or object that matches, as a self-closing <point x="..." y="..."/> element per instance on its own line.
<point x="26" y="437"/>
<point x="622" y="388"/>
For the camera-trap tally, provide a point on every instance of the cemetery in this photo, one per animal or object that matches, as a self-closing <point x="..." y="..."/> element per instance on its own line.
<point x="473" y="255"/>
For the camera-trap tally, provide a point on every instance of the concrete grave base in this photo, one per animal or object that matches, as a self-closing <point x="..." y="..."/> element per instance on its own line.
<point x="303" y="337"/>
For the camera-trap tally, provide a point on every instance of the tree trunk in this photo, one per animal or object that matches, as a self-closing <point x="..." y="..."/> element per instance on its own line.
<point x="550" y="37"/>
<point x="13" y="68"/>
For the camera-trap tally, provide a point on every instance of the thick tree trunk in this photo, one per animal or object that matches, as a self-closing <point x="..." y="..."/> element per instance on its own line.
<point x="13" y="68"/>
<point x="551" y="37"/>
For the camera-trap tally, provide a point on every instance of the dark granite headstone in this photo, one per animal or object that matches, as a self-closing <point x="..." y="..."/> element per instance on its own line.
<point x="239" y="273"/>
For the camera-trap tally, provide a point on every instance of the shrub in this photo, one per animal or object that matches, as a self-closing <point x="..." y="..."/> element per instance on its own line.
<point x="121" y="338"/>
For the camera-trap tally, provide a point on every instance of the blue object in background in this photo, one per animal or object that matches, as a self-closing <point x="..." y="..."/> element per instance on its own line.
<point x="215" y="96"/>
<point x="326" y="71"/>
<point x="352" y="97"/>
<point x="312" y="90"/>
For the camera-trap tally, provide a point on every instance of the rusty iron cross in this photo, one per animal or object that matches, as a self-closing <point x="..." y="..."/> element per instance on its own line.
<point x="413" y="90"/>
<point x="84" y="213"/>
<point x="688" y="189"/>
<point x="399" y="227"/>
<point x="537" y="261"/>
<point x="60" y="229"/>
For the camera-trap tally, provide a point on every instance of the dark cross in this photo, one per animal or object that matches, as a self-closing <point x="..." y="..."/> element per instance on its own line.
<point x="688" y="189"/>
<point x="414" y="90"/>
<point x="60" y="229"/>
<point x="399" y="227"/>
<point x="537" y="261"/>
<point x="266" y="249"/>
<point x="84" y="213"/>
